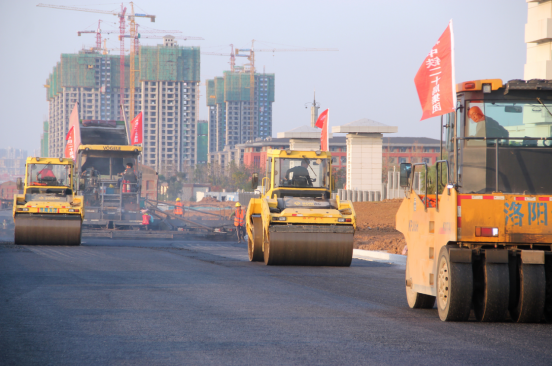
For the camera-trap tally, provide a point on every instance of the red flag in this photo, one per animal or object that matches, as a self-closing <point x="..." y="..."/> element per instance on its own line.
<point x="435" y="79"/>
<point x="70" y="145"/>
<point x="322" y="122"/>
<point x="321" y="119"/>
<point x="136" y="130"/>
<point x="74" y="125"/>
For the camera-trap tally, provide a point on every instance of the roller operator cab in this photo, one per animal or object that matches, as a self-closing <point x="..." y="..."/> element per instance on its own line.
<point x="479" y="233"/>
<point x="48" y="212"/>
<point x="296" y="222"/>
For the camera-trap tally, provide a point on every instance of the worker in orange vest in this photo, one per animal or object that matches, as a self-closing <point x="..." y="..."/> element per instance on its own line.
<point x="146" y="220"/>
<point x="239" y="221"/>
<point x="178" y="210"/>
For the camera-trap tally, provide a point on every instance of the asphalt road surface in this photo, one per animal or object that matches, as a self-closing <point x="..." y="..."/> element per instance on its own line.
<point x="121" y="302"/>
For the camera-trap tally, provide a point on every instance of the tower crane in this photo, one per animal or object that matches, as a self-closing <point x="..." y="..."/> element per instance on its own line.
<point x="250" y="54"/>
<point x="98" y="33"/>
<point x="231" y="54"/>
<point x="121" y="15"/>
<point x="184" y="38"/>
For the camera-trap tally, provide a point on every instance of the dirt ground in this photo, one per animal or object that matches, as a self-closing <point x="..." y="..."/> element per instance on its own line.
<point x="376" y="226"/>
<point x="375" y="222"/>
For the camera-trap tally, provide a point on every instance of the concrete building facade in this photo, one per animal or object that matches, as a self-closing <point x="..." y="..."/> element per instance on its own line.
<point x="538" y="37"/>
<point x="166" y="91"/>
<point x="230" y="116"/>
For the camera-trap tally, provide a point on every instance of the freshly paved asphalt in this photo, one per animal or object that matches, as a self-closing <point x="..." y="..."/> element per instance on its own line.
<point x="120" y="302"/>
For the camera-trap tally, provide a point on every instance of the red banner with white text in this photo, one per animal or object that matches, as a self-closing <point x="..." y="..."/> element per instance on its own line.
<point x="74" y="126"/>
<point x="136" y="130"/>
<point x="70" y="145"/>
<point x="435" y="81"/>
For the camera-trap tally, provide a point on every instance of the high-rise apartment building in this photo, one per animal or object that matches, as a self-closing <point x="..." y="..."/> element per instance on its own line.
<point x="229" y="118"/>
<point x="166" y="91"/>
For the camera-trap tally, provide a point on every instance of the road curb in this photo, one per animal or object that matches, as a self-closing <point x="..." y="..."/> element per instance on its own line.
<point x="372" y="255"/>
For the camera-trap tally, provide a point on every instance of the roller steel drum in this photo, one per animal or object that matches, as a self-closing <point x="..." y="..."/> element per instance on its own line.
<point x="48" y="229"/>
<point x="309" y="245"/>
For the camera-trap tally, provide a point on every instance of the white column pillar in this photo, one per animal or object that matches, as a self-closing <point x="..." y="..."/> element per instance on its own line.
<point x="364" y="161"/>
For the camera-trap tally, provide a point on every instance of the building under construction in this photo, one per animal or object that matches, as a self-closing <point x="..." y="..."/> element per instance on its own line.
<point x="228" y="100"/>
<point x="166" y="79"/>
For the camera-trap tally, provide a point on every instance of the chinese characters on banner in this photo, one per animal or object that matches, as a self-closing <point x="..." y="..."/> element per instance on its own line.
<point x="322" y="122"/>
<point x="435" y="79"/>
<point x="74" y="129"/>
<point x="70" y="145"/>
<point x="136" y="130"/>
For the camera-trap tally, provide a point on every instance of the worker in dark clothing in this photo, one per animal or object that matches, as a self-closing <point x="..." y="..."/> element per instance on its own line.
<point x="129" y="179"/>
<point x="299" y="175"/>
<point x="90" y="172"/>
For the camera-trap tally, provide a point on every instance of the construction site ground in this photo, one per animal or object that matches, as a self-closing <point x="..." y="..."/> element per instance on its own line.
<point x="375" y="222"/>
<point x="376" y="226"/>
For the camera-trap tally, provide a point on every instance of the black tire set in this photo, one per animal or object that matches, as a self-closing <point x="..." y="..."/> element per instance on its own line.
<point x="494" y="285"/>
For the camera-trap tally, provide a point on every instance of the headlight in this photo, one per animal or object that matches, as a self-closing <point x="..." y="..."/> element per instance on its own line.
<point x="281" y="218"/>
<point x="23" y="209"/>
<point x="73" y="210"/>
<point x="344" y="220"/>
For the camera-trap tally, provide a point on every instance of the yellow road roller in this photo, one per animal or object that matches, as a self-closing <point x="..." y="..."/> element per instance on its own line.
<point x="296" y="222"/>
<point x="479" y="231"/>
<point x="48" y="212"/>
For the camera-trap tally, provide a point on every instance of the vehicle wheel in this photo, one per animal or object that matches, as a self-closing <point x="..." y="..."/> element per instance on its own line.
<point x="491" y="291"/>
<point x="531" y="293"/>
<point x="548" y="300"/>
<point x="454" y="288"/>
<point x="254" y="244"/>
<point x="266" y="253"/>
<point x="415" y="299"/>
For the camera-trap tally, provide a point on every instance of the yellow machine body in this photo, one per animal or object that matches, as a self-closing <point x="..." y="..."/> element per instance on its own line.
<point x="297" y="223"/>
<point x="482" y="238"/>
<point x="48" y="211"/>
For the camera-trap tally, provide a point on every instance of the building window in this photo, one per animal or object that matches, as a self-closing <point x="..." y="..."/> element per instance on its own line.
<point x="403" y="160"/>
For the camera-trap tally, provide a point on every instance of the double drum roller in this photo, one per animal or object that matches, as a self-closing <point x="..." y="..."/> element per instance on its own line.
<point x="48" y="212"/>
<point x="308" y="246"/>
<point x="48" y="230"/>
<point x="295" y="222"/>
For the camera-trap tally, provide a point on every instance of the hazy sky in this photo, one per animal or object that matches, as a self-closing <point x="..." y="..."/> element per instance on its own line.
<point x="381" y="46"/>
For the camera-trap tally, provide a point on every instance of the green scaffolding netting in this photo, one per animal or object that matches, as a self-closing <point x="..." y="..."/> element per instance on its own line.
<point x="211" y="97"/>
<point x="219" y="90"/>
<point x="84" y="69"/>
<point x="202" y="128"/>
<point x="169" y="63"/>
<point x="236" y="87"/>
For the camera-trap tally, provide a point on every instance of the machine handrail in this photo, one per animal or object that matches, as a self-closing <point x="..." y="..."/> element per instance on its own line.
<point x="412" y="185"/>
<point x="438" y="178"/>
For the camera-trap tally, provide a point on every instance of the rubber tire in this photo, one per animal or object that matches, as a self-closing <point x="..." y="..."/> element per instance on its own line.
<point x="458" y="288"/>
<point x="491" y="291"/>
<point x="548" y="276"/>
<point x="531" y="293"/>
<point x="415" y="299"/>
<point x="266" y="250"/>
<point x="254" y="244"/>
